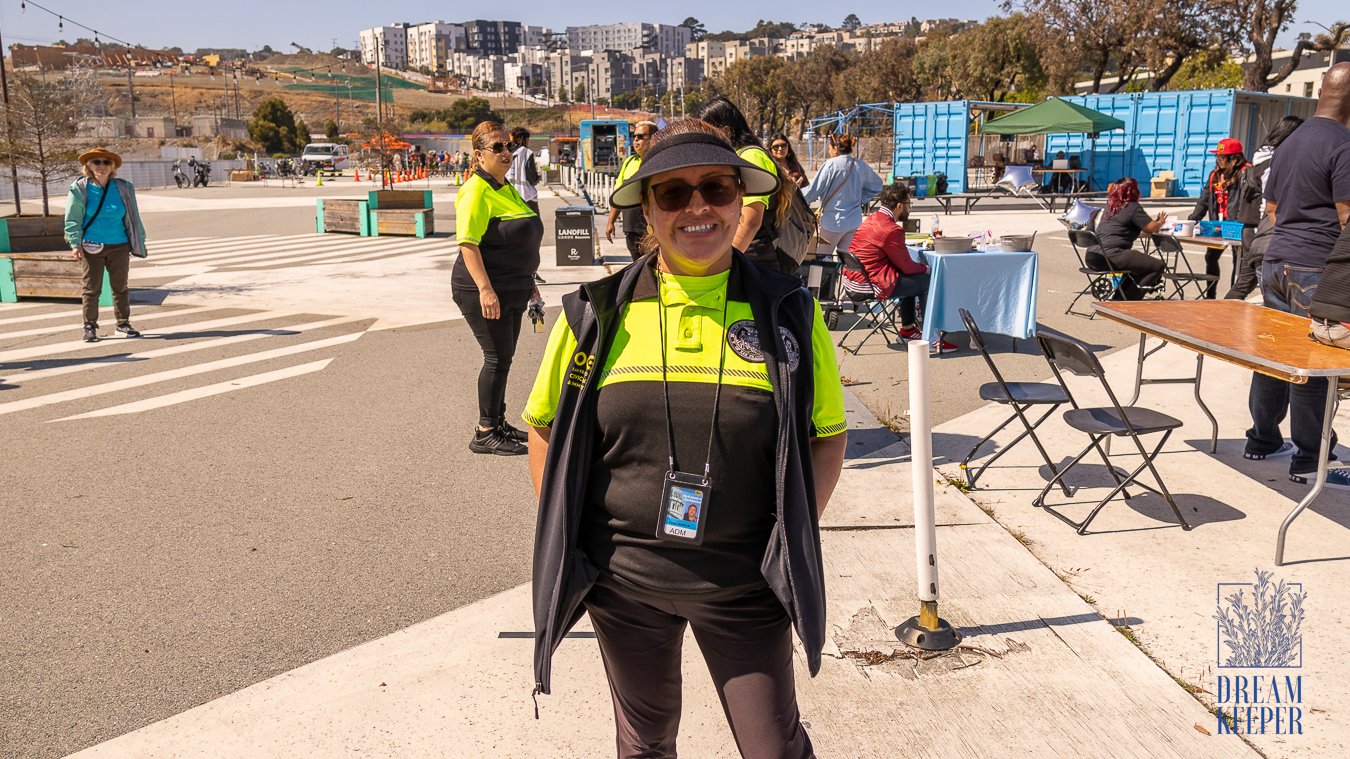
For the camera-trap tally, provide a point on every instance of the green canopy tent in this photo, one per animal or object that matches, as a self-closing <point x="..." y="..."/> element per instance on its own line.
<point x="1054" y="116"/>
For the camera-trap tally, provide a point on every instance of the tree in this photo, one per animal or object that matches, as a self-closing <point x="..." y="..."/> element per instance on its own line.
<point x="1209" y="70"/>
<point x="1259" y="23"/>
<point x="562" y="94"/>
<point x="772" y="29"/>
<point x="1107" y="33"/>
<point x="44" y="116"/>
<point x="299" y="136"/>
<point x="756" y="86"/>
<point x="695" y="27"/>
<point x="851" y="23"/>
<point x="273" y="126"/>
<point x="330" y="130"/>
<point x="579" y="92"/>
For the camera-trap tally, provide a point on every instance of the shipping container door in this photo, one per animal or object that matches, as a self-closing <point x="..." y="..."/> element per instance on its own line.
<point x="930" y="138"/>
<point x="1204" y="118"/>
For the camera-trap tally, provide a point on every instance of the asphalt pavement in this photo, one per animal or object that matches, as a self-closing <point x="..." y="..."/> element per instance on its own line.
<point x="279" y="470"/>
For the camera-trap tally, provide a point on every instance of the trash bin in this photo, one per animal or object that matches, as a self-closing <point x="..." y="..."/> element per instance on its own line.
<point x="574" y="235"/>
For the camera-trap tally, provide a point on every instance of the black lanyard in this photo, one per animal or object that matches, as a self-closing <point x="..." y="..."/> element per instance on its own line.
<point x="665" y="384"/>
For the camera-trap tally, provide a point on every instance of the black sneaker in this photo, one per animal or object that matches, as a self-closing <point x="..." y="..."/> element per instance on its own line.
<point x="493" y="441"/>
<point x="512" y="432"/>
<point x="91" y="333"/>
<point x="126" y="330"/>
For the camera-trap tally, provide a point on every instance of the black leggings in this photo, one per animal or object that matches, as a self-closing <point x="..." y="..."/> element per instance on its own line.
<point x="746" y="642"/>
<point x="497" y="338"/>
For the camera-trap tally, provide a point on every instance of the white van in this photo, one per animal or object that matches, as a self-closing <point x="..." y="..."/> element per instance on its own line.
<point x="328" y="156"/>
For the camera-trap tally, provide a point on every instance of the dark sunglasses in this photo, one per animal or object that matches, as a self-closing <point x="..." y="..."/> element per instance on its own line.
<point x="100" y="162"/>
<point x="778" y="146"/>
<point x="497" y="147"/>
<point x="642" y="135"/>
<point x="720" y="190"/>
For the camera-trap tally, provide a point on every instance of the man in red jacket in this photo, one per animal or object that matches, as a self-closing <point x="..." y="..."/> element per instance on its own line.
<point x="879" y="245"/>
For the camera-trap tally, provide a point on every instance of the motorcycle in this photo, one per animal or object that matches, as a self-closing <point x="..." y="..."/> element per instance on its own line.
<point x="201" y="172"/>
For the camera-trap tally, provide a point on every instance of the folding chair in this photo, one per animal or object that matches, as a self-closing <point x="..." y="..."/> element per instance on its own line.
<point x="1101" y="284"/>
<point x="1065" y="354"/>
<point x="1020" y="396"/>
<point x="1172" y="254"/>
<point x="881" y="312"/>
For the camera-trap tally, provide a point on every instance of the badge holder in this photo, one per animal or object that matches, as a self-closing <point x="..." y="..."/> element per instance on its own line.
<point x="684" y="507"/>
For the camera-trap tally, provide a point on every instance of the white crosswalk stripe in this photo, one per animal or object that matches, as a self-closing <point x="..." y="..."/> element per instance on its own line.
<point x="275" y="251"/>
<point x="173" y="354"/>
<point x="75" y="314"/>
<point x="140" y="317"/>
<point x="206" y="391"/>
<point x="26" y="378"/>
<point x="172" y="374"/>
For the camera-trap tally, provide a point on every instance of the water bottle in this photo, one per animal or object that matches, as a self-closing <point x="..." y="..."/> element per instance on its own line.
<point x="936" y="229"/>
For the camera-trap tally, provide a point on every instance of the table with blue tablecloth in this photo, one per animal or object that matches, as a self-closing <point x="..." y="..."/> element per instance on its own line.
<point x="997" y="288"/>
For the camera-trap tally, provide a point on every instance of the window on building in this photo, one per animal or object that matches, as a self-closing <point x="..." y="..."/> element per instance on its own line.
<point x="1288" y="87"/>
<point x="1307" y="89"/>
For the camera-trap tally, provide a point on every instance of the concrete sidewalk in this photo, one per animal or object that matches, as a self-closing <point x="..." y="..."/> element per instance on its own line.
<point x="1136" y="563"/>
<point x="1040" y="672"/>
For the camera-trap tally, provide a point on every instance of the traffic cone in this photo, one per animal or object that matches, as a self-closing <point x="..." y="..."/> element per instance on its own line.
<point x="356" y="175"/>
<point x="319" y="181"/>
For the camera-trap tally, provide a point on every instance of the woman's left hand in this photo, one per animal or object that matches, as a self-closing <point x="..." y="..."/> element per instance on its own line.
<point x="534" y="294"/>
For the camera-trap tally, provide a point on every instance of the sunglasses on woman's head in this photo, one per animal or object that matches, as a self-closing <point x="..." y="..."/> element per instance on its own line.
<point x="719" y="190"/>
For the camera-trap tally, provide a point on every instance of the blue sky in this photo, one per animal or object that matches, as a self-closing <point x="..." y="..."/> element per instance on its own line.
<point x="254" y="23"/>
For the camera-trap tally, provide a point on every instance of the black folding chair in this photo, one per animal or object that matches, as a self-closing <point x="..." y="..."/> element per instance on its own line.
<point x="1172" y="254"/>
<point x="1101" y="284"/>
<point x="880" y="312"/>
<point x="1067" y="354"/>
<point x="1020" y="397"/>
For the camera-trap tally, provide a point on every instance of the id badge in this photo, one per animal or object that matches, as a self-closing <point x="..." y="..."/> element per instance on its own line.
<point x="92" y="248"/>
<point x="684" y="508"/>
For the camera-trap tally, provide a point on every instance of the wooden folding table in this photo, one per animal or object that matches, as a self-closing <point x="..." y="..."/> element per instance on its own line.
<point x="1264" y="340"/>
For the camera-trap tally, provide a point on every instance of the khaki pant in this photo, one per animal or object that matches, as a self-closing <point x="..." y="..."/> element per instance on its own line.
<point x="117" y="260"/>
<point x="1331" y="333"/>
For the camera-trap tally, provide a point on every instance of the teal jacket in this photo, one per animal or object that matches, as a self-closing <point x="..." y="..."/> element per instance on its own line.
<point x="75" y="214"/>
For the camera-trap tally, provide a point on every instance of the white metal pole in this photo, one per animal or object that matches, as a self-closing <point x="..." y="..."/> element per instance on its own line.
<point x="921" y="472"/>
<point x="926" y="630"/>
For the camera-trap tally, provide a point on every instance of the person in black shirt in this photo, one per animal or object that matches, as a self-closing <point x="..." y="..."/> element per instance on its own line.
<point x="1221" y="200"/>
<point x="1308" y="196"/>
<point x="1120" y="225"/>
<point x="493" y="280"/>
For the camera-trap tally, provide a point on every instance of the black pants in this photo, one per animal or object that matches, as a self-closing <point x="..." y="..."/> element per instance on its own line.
<point x="1144" y="271"/>
<point x="747" y="645"/>
<point x="634" y="241"/>
<point x="1248" y="266"/>
<point x="1289" y="288"/>
<point x="1212" y="258"/>
<point x="908" y="289"/>
<point x="497" y="338"/>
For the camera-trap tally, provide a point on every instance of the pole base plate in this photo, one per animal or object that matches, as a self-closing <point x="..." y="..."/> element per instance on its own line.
<point x="912" y="634"/>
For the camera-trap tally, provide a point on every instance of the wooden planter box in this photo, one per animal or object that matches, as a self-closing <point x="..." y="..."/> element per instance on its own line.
<point x="349" y="216"/>
<point x="45" y="274"/>
<point x="416" y="222"/>
<point x="22" y="234"/>
<point x="401" y="212"/>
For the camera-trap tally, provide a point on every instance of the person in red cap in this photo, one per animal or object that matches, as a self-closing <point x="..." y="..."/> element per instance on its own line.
<point x="1221" y="199"/>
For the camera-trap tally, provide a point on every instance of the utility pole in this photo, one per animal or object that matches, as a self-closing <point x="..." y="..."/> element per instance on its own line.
<point x="379" y="112"/>
<point x="173" y="97"/>
<point x="9" y="130"/>
<point x="236" y="94"/>
<point x="131" y="91"/>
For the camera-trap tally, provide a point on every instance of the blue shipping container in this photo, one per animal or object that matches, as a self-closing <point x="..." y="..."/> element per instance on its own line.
<point x="930" y="138"/>
<point x="1172" y="131"/>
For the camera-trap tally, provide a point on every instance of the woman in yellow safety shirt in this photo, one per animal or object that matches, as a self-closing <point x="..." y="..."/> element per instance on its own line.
<point x="493" y="279"/>
<point x="686" y="430"/>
